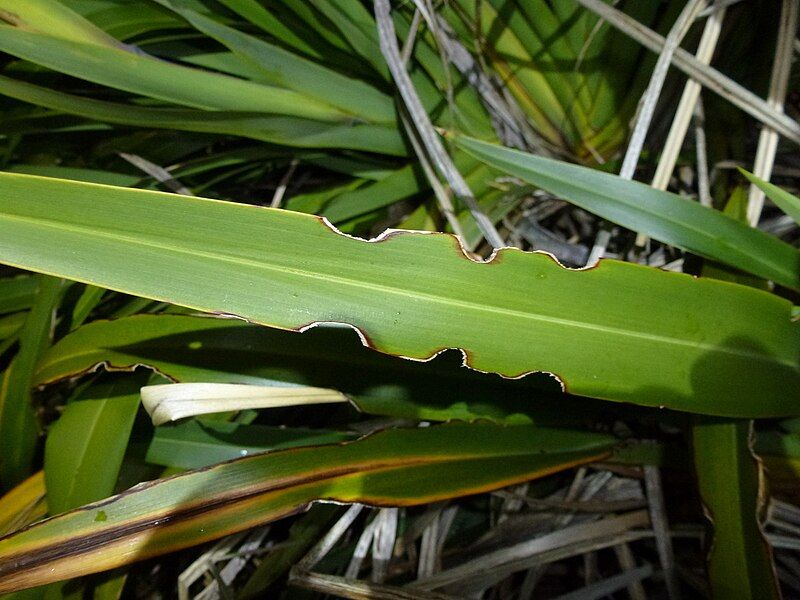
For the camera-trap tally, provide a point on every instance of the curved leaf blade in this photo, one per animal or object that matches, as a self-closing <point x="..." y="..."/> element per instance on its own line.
<point x="740" y="559"/>
<point x="54" y="18"/>
<point x="784" y="200"/>
<point x="160" y="79"/>
<point x="285" y="70"/>
<point x="663" y="216"/>
<point x="261" y="17"/>
<point x="158" y="517"/>
<point x="688" y="344"/>
<point x="197" y="443"/>
<point x="17" y="293"/>
<point x="201" y="349"/>
<point x="19" y="427"/>
<point x="10" y="326"/>
<point x="276" y="128"/>
<point x="23" y="504"/>
<point x="85" y="447"/>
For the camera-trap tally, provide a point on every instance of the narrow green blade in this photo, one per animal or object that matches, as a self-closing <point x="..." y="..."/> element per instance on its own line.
<point x="276" y="128"/>
<point x="784" y="200"/>
<point x="159" y="79"/>
<point x="17" y="293"/>
<point x="661" y="215"/>
<point x="85" y="447"/>
<point x="19" y="429"/>
<point x="740" y="565"/>
<point x="285" y="70"/>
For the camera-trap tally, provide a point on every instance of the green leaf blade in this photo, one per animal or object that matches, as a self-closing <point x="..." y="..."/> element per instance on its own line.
<point x="158" y="517"/>
<point x="17" y="293"/>
<point x="784" y="200"/>
<point x="86" y="445"/>
<point x="201" y="349"/>
<point x="289" y="71"/>
<point x="160" y="79"/>
<point x="197" y="443"/>
<point x="688" y="344"/>
<point x="275" y="128"/>
<point x="19" y="428"/>
<point x="740" y="559"/>
<point x="661" y="215"/>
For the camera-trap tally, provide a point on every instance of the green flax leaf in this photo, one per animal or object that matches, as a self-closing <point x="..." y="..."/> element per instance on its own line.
<point x="740" y="560"/>
<point x="661" y="215"/>
<point x="619" y="331"/>
<point x="201" y="349"/>
<point x="163" y="516"/>
<point x="17" y="293"/>
<point x="159" y="79"/>
<point x="784" y="200"/>
<point x="86" y="445"/>
<point x="19" y="430"/>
